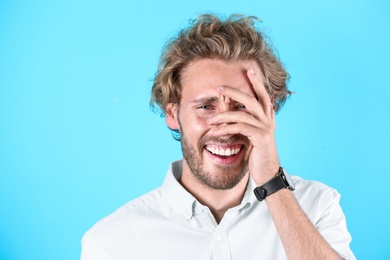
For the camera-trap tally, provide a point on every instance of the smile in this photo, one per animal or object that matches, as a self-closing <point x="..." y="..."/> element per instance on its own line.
<point x="224" y="151"/>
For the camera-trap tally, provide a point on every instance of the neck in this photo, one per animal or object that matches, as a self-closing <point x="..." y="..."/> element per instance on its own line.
<point x="218" y="201"/>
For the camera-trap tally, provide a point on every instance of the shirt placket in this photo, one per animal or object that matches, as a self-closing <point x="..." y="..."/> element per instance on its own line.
<point x="221" y="241"/>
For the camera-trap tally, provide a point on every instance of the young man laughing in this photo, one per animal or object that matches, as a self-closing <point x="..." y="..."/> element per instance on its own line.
<point x="219" y="86"/>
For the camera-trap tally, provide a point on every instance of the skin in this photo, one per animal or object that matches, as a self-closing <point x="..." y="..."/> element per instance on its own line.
<point x="224" y="104"/>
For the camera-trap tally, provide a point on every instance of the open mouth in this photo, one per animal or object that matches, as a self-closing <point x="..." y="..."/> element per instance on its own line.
<point x="224" y="151"/>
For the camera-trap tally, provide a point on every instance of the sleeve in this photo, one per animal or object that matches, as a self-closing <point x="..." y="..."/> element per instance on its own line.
<point x="331" y="223"/>
<point x="87" y="250"/>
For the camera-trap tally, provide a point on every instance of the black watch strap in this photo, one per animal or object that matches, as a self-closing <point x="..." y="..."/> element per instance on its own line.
<point x="270" y="187"/>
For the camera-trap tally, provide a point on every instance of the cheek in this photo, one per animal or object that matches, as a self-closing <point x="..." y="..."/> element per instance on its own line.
<point x="194" y="125"/>
<point x="205" y="114"/>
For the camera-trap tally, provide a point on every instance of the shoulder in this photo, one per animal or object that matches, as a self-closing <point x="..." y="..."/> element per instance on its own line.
<point x="312" y="188"/>
<point x="126" y="215"/>
<point x="315" y="197"/>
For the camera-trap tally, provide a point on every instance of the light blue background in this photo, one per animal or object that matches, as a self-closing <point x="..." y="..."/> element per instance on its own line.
<point x="78" y="139"/>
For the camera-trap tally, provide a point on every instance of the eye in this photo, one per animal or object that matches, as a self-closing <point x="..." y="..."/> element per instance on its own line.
<point x="240" y="107"/>
<point x="205" y="107"/>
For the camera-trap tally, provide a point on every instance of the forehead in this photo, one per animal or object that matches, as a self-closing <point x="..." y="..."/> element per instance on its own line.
<point x="202" y="77"/>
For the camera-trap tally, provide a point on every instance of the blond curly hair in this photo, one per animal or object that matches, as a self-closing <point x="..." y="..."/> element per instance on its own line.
<point x="208" y="36"/>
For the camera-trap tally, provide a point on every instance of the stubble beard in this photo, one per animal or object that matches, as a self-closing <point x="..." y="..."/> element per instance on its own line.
<point x="231" y="175"/>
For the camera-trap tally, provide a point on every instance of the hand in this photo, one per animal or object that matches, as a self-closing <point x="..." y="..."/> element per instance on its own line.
<point x="256" y="122"/>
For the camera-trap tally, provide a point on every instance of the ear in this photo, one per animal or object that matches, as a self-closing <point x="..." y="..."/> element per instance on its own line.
<point x="171" y="116"/>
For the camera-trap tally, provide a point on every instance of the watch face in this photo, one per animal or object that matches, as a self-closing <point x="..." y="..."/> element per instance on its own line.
<point x="287" y="180"/>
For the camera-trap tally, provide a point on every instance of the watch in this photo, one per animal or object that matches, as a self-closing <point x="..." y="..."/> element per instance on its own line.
<point x="281" y="181"/>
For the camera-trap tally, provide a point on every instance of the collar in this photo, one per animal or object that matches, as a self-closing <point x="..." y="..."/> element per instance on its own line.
<point x="249" y="198"/>
<point x="185" y="203"/>
<point x="175" y="194"/>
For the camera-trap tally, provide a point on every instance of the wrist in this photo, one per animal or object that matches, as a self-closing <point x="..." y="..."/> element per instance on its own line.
<point x="267" y="175"/>
<point x="280" y="182"/>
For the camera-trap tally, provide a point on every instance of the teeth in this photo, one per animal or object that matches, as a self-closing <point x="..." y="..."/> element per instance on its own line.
<point x="223" y="151"/>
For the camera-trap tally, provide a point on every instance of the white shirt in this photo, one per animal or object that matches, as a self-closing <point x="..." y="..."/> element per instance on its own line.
<point x="169" y="223"/>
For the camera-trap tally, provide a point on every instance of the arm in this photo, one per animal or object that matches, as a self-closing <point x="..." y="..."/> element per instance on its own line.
<point x="300" y="238"/>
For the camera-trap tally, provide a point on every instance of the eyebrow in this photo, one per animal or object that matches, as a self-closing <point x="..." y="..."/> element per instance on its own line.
<point x="205" y="100"/>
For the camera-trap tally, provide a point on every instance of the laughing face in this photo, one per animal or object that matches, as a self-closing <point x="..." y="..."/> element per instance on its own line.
<point x="218" y="162"/>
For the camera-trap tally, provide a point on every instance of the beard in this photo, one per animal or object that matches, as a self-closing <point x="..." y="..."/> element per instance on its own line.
<point x="225" y="176"/>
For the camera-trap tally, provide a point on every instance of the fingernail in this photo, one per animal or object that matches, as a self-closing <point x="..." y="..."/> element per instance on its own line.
<point x="252" y="72"/>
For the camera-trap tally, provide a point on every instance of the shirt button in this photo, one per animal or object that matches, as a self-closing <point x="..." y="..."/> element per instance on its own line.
<point x="218" y="238"/>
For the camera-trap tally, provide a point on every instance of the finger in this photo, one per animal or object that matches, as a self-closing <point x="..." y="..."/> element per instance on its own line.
<point x="250" y="102"/>
<point x="240" y="117"/>
<point x="251" y="132"/>
<point x="257" y="82"/>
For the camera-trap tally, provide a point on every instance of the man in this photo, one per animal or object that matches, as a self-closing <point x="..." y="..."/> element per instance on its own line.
<point x="219" y="86"/>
